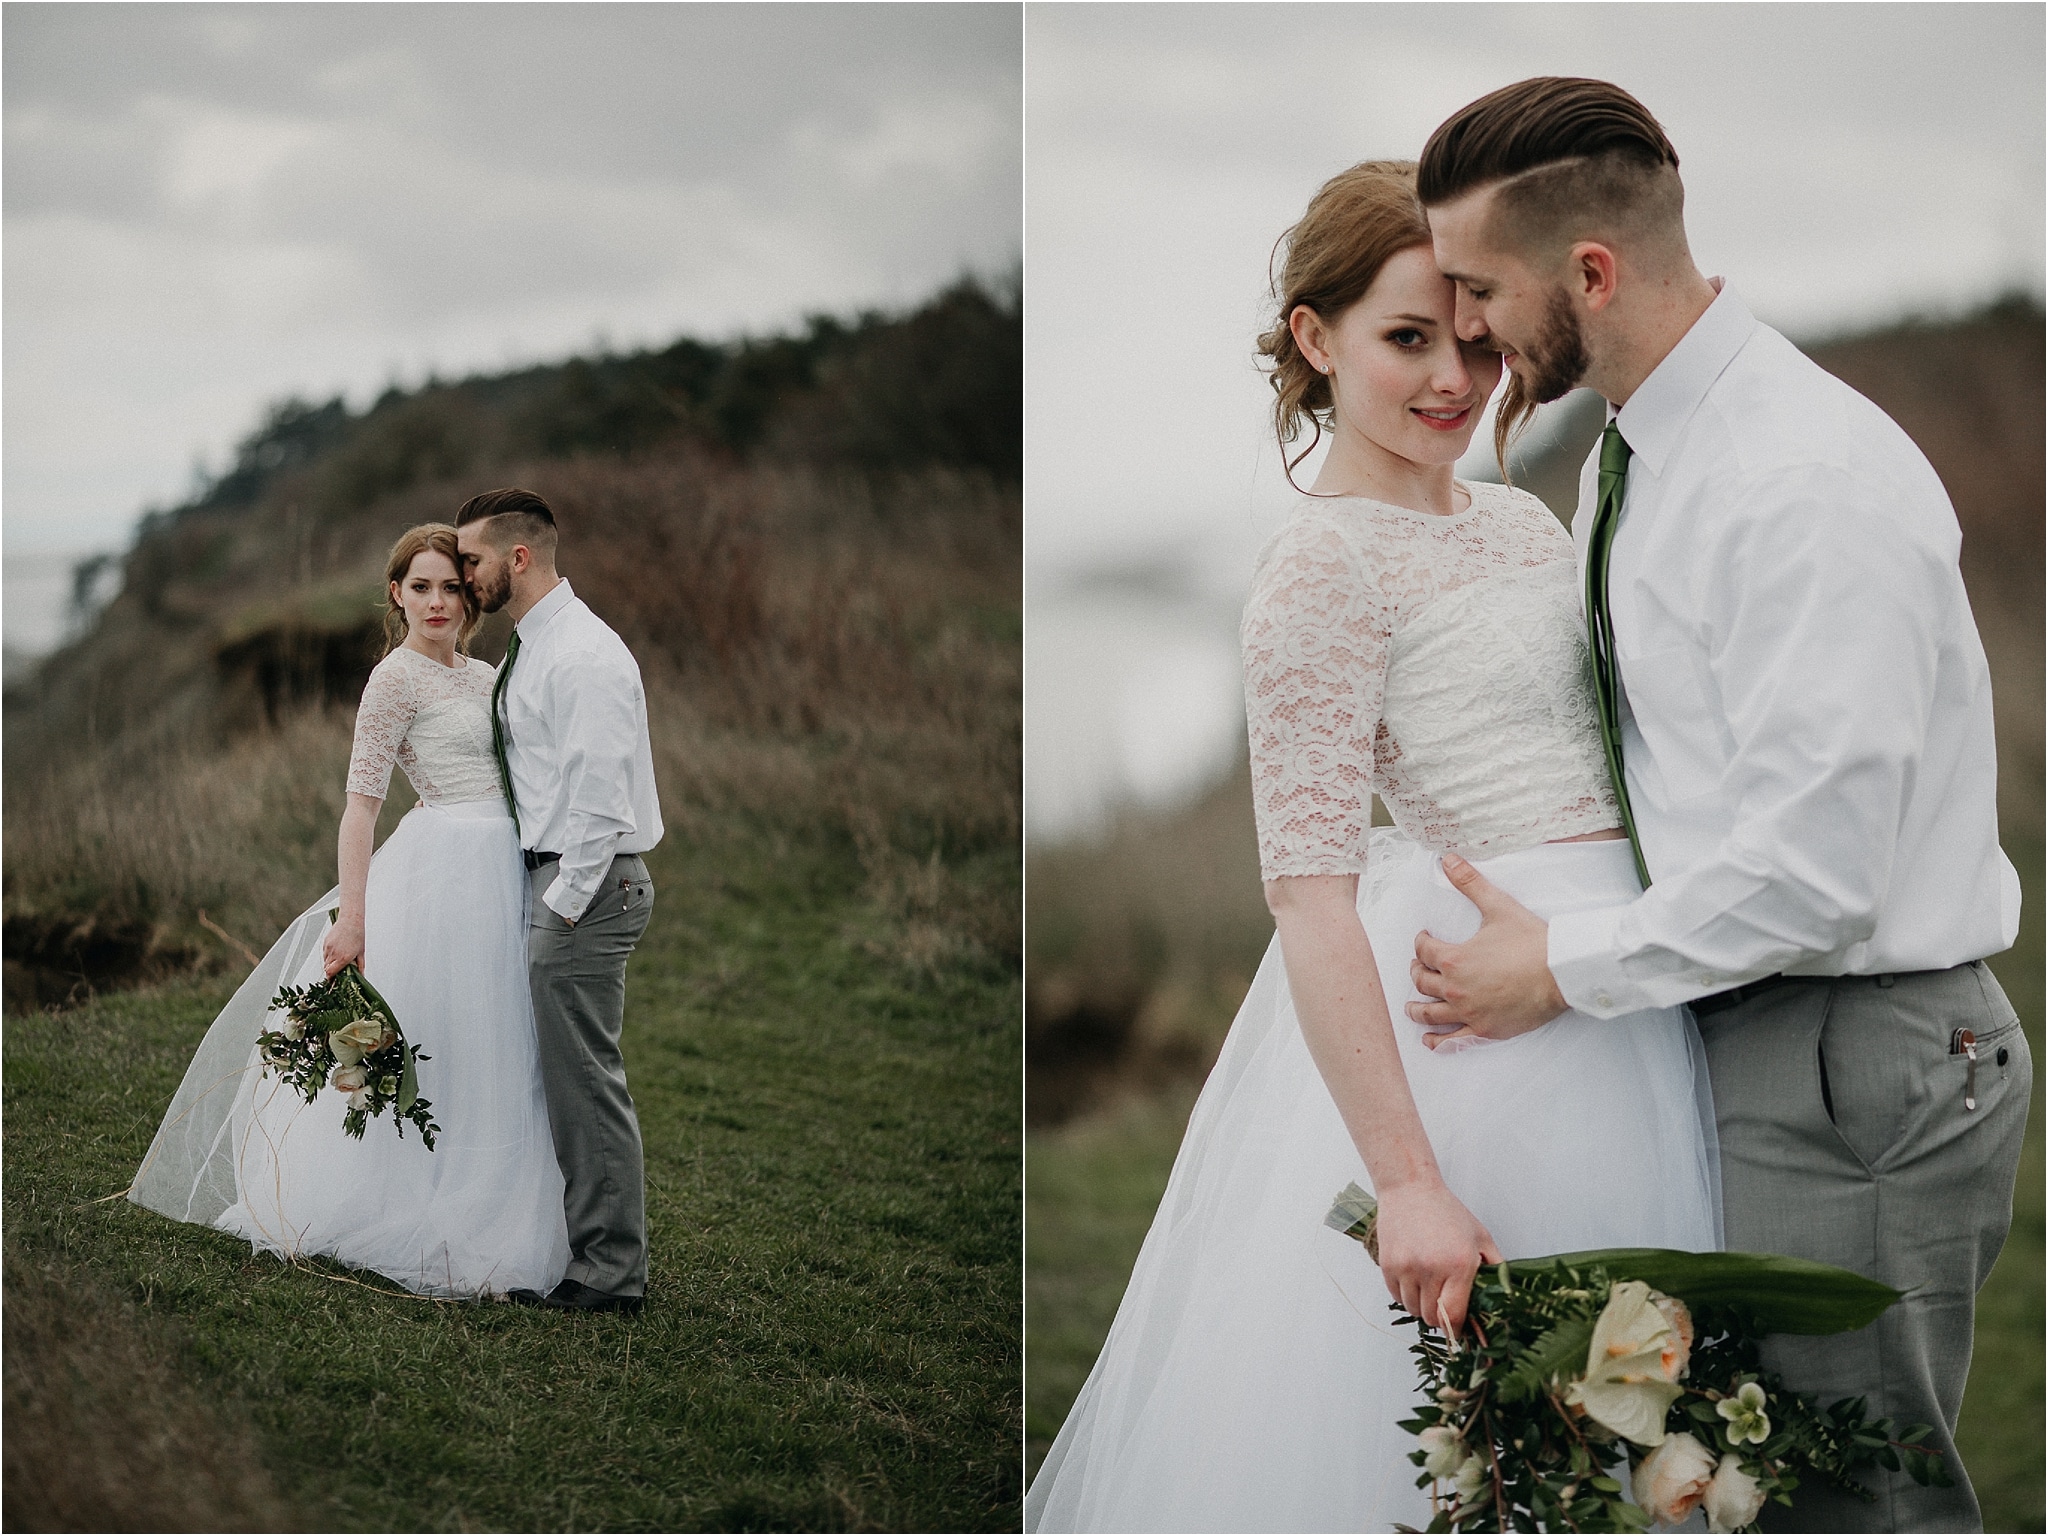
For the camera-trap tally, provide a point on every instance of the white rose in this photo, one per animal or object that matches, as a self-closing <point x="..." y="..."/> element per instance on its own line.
<point x="360" y="1099"/>
<point x="358" y="1038"/>
<point x="294" y="1029"/>
<point x="1672" y="1479"/>
<point x="1631" y="1368"/>
<point x="1442" y="1451"/>
<point x="1733" y="1497"/>
<point x="351" y="1079"/>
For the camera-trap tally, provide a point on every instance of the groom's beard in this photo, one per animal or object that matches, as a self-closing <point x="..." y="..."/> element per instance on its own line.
<point x="1556" y="358"/>
<point x="492" y="597"/>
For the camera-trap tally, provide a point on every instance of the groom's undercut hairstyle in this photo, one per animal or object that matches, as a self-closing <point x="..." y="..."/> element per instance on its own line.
<point x="1572" y="159"/>
<point x="512" y="516"/>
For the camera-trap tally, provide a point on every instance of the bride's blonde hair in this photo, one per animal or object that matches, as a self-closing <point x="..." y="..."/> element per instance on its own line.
<point x="1358" y="221"/>
<point x="416" y="541"/>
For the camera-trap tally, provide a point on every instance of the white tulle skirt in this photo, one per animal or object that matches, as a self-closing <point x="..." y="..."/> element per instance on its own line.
<point x="1253" y="1379"/>
<point x="445" y="920"/>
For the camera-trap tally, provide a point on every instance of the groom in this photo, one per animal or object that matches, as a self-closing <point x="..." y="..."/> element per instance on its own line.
<point x="569" y="722"/>
<point x="1797" y="714"/>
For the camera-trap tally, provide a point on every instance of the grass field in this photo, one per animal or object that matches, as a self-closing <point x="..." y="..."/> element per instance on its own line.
<point x="1092" y="1185"/>
<point x="832" y="1340"/>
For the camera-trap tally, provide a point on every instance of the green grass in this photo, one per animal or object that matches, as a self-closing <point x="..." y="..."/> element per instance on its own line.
<point x="832" y="1337"/>
<point x="1092" y="1185"/>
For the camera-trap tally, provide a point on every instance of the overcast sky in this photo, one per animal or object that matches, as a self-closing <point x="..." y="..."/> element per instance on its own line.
<point x="211" y="206"/>
<point x="1844" y="164"/>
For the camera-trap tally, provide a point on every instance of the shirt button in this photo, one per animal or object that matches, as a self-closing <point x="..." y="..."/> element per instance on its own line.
<point x="1604" y="1000"/>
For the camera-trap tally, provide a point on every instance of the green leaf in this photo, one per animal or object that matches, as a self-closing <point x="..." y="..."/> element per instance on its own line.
<point x="408" y="1082"/>
<point x="1559" y="1352"/>
<point x="1605" y="1484"/>
<point x="1773" y="1293"/>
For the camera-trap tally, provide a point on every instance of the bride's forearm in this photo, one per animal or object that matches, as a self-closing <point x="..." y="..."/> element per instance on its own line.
<point x="1337" y="994"/>
<point x="356" y="843"/>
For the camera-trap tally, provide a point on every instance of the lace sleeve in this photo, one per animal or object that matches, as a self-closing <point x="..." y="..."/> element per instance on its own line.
<point x="382" y="719"/>
<point x="1315" y="637"/>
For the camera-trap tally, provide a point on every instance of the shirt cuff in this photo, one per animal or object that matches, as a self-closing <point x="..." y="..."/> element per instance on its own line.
<point x="1585" y="967"/>
<point x="564" y="902"/>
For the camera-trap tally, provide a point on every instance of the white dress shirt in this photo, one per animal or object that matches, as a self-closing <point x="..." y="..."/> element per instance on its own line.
<point x="576" y="747"/>
<point x="1807" y="729"/>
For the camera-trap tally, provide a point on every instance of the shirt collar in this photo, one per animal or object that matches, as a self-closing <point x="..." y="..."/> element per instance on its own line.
<point x="538" y="616"/>
<point x="1657" y="413"/>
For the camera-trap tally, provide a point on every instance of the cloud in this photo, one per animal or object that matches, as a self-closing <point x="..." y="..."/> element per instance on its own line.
<point x="210" y="205"/>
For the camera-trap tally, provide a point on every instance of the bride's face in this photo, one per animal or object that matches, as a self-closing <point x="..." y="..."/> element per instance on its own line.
<point x="431" y="595"/>
<point x="1399" y="374"/>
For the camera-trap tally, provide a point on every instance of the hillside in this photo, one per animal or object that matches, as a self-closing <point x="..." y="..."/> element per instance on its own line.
<point x="812" y="544"/>
<point x="810" y="541"/>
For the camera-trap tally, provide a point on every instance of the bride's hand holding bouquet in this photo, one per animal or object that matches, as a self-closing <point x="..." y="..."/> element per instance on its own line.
<point x="1429" y="1247"/>
<point x="344" y="942"/>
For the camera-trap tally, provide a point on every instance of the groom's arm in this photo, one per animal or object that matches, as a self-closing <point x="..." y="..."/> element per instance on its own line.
<point x="598" y="711"/>
<point x="1822" y="636"/>
<point x="1823" y="628"/>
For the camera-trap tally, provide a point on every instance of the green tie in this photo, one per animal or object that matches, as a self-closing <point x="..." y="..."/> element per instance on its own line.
<point x="498" y="727"/>
<point x="1614" y="454"/>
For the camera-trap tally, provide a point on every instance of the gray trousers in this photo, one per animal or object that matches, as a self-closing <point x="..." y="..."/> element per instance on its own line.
<point x="1844" y="1138"/>
<point x="579" y="1003"/>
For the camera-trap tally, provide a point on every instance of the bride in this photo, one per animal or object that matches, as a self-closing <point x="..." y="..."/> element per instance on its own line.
<point x="1413" y="634"/>
<point x="437" y="920"/>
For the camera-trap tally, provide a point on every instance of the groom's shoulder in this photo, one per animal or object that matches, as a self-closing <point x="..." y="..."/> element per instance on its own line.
<point x="1781" y="413"/>
<point x="583" y="633"/>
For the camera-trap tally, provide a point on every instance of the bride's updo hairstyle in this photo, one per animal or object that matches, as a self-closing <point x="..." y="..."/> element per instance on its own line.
<point x="1354" y="225"/>
<point x="418" y="540"/>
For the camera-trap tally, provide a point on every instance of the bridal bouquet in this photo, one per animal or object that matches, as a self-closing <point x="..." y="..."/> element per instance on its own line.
<point x="1574" y="1364"/>
<point x="341" y="1033"/>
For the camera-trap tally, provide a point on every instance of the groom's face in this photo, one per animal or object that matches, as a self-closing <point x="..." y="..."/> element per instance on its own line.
<point x="1505" y="303"/>
<point x="487" y="569"/>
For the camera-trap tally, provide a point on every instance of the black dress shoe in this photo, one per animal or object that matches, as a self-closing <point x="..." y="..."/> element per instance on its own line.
<point x="574" y="1296"/>
<point x="527" y="1298"/>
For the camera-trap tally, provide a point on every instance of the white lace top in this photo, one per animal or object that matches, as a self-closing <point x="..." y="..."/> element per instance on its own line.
<point x="434" y="722"/>
<point x="1440" y="660"/>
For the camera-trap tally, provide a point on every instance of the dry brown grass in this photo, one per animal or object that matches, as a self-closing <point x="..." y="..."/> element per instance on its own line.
<point x="1141" y="948"/>
<point x="835" y="657"/>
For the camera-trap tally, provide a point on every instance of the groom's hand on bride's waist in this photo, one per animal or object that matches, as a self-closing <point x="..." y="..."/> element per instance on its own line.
<point x="1495" y="985"/>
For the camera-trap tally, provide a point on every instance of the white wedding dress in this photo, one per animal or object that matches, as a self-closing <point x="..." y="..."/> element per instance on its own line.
<point x="1254" y="1377"/>
<point x="445" y="920"/>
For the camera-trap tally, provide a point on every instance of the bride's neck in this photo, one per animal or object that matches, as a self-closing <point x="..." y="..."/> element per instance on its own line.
<point x="1357" y="466"/>
<point x="442" y="651"/>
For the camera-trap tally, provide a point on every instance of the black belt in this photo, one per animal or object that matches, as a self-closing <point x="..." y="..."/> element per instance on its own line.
<point x="1716" y="1001"/>
<point x="534" y="860"/>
